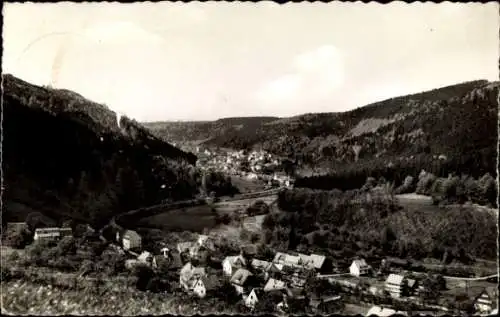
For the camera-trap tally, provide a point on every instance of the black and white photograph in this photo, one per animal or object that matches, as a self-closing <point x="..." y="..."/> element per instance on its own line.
<point x="249" y="158"/>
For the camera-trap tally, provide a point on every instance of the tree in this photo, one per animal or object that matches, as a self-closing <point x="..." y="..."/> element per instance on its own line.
<point x="144" y="274"/>
<point x="259" y="207"/>
<point x="67" y="246"/>
<point x="227" y="293"/>
<point x="19" y="238"/>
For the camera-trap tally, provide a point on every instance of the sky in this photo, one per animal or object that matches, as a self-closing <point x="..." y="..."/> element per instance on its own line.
<point x="203" y="61"/>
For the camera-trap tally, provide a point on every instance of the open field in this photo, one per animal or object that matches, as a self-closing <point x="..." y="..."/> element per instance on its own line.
<point x="246" y="185"/>
<point x="199" y="217"/>
<point x="188" y="219"/>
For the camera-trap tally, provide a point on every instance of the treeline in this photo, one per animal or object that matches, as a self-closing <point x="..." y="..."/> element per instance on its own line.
<point x="370" y="223"/>
<point x="480" y="189"/>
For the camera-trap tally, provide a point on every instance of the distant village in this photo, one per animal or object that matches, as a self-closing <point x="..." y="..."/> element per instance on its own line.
<point x="284" y="279"/>
<point x="252" y="165"/>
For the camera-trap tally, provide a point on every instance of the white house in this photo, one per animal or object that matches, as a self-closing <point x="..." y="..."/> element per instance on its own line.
<point x="231" y="263"/>
<point x="359" y="268"/>
<point x="394" y="285"/>
<point x="203" y="285"/>
<point x="253" y="298"/>
<point x="287" y="259"/>
<point x="145" y="257"/>
<point x="51" y="233"/>
<point x="206" y="242"/>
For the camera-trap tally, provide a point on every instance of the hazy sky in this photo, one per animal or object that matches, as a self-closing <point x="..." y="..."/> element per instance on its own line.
<point x="201" y="61"/>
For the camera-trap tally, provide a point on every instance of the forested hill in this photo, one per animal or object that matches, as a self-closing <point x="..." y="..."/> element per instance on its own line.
<point x="449" y="129"/>
<point x="67" y="157"/>
<point x="204" y="130"/>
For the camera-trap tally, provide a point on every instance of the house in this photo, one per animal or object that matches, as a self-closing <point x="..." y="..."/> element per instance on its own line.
<point x="12" y="226"/>
<point x="275" y="270"/>
<point x="189" y="275"/>
<point x="325" y="305"/>
<point x="305" y="261"/>
<point x="359" y="268"/>
<point x="231" y="263"/>
<point x="184" y="246"/>
<point x="253" y="298"/>
<point x="145" y="257"/>
<point x="131" y="263"/>
<point x="394" y="285"/>
<point x="297" y="281"/>
<point x="206" y="242"/>
<point x="274" y="284"/>
<point x="240" y="279"/>
<point x="159" y="262"/>
<point x="482" y="300"/>
<point x="318" y="261"/>
<point x="203" y="285"/>
<point x="287" y="259"/>
<point x="129" y="239"/>
<point x="383" y="312"/>
<point x="260" y="266"/>
<point x="198" y="252"/>
<point x="51" y="233"/>
<point x="412" y="286"/>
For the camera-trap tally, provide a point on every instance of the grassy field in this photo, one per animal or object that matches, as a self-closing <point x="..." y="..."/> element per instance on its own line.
<point x="246" y="185"/>
<point x="188" y="219"/>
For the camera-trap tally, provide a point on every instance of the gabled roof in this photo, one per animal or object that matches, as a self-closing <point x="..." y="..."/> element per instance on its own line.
<point x="395" y="279"/>
<point x="274" y="284"/>
<point x="476" y="292"/>
<point x="260" y="264"/>
<point x="275" y="267"/>
<point x="286" y="258"/>
<point x="411" y="282"/>
<point x="240" y="276"/>
<point x="259" y="293"/>
<point x="234" y="259"/>
<point x="361" y="263"/>
<point x="144" y="256"/>
<point x="318" y="260"/>
<point x="131" y="234"/>
<point x="175" y="261"/>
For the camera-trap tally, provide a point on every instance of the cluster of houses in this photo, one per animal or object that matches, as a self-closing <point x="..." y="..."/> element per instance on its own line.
<point x="255" y="165"/>
<point x="399" y="286"/>
<point x="283" y="278"/>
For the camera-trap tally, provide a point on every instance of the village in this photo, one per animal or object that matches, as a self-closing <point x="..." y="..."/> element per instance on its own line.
<point x="292" y="282"/>
<point x="251" y="165"/>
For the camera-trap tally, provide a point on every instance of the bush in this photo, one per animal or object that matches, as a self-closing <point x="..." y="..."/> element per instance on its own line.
<point x="425" y="182"/>
<point x="19" y="238"/>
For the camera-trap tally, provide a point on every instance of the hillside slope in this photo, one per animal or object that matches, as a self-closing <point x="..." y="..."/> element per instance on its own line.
<point x="457" y="122"/>
<point x="69" y="158"/>
<point x="178" y="131"/>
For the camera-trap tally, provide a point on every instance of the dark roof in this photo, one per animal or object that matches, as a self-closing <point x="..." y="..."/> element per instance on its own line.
<point x="161" y="261"/>
<point x="176" y="261"/>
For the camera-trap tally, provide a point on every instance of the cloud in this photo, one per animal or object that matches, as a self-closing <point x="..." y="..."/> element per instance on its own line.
<point x="121" y="32"/>
<point x="314" y="74"/>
